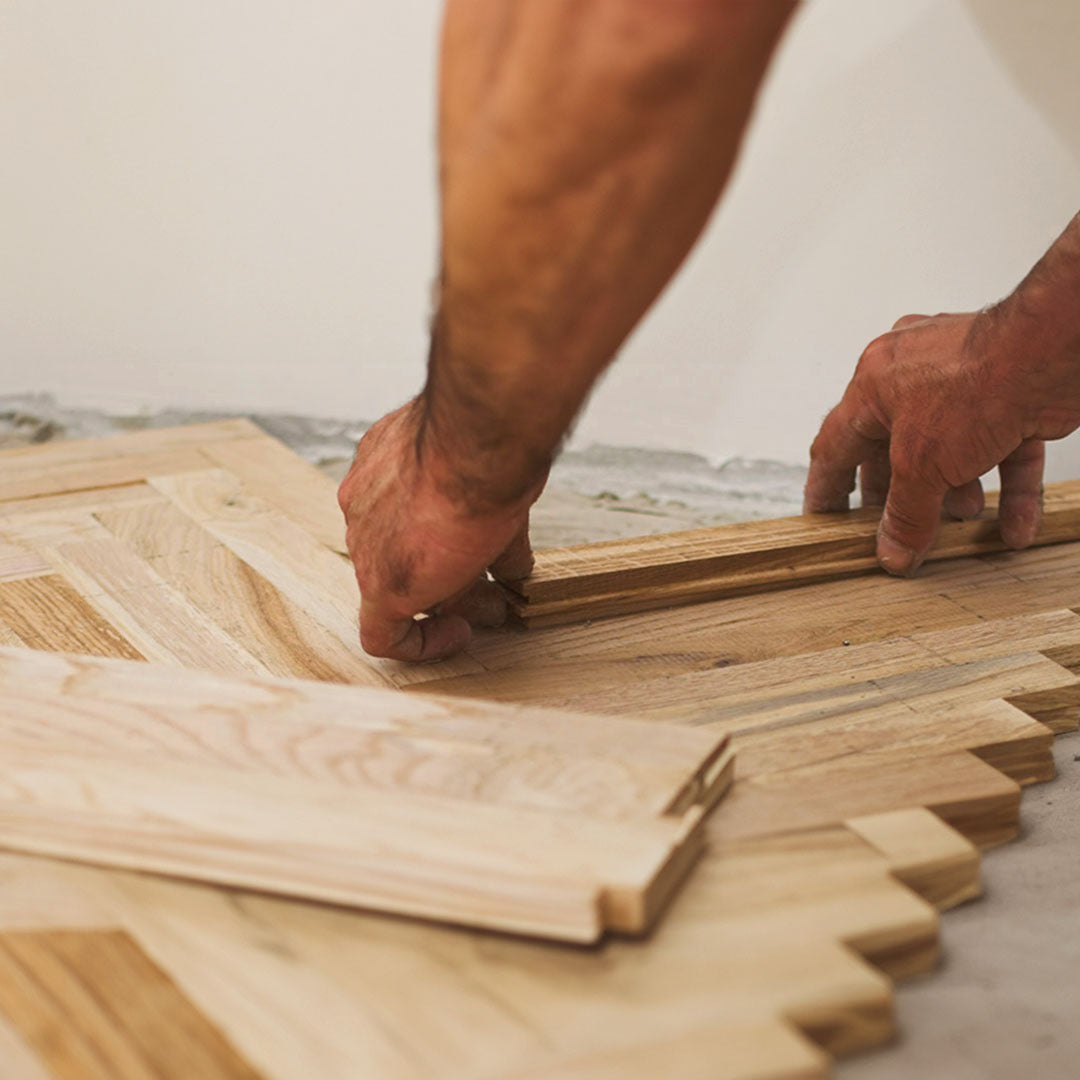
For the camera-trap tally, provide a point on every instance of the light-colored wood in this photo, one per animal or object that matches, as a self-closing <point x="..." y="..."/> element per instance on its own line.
<point x="526" y="871"/>
<point x="94" y="1007"/>
<point x="272" y="472"/>
<point x="828" y="856"/>
<point x="770" y="1050"/>
<point x="970" y="795"/>
<point x="258" y="616"/>
<point x="47" y="613"/>
<point x="623" y="576"/>
<point x="489" y="830"/>
<point x="523" y="757"/>
<point x="925" y="854"/>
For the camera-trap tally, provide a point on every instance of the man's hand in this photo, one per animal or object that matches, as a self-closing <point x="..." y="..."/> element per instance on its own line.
<point x="926" y="414"/>
<point x="418" y="548"/>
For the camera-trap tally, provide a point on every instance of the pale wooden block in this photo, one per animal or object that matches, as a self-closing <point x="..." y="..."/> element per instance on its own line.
<point x="237" y="597"/>
<point x="763" y="1050"/>
<point x="309" y="574"/>
<point x="924" y="853"/>
<point x="156" y="619"/>
<point x="20" y="562"/>
<point x="274" y="473"/>
<point x="20" y="1063"/>
<point x="562" y="875"/>
<point x="136" y="494"/>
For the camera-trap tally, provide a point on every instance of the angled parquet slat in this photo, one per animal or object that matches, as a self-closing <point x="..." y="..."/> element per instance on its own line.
<point x="95" y="1007"/>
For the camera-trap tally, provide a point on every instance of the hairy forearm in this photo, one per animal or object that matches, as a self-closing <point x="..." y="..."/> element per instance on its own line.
<point x="1034" y="334"/>
<point x="583" y="147"/>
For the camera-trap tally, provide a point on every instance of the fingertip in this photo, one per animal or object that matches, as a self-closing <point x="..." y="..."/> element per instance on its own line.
<point x="443" y="636"/>
<point x="483" y="605"/>
<point x="1020" y="527"/>
<point x="894" y="556"/>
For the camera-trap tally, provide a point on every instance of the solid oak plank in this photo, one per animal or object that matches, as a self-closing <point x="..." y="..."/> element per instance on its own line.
<point x="623" y="576"/>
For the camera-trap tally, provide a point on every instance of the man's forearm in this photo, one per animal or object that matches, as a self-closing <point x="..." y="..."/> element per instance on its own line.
<point x="1034" y="334"/>
<point x="583" y="147"/>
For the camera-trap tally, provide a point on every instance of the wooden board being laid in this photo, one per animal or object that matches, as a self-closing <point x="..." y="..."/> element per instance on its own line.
<point x="591" y="581"/>
<point x="885" y="729"/>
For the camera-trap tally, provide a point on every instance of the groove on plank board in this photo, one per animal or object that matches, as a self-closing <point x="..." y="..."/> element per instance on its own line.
<point x="94" y="1006"/>
<point x="618" y="577"/>
<point x="47" y="613"/>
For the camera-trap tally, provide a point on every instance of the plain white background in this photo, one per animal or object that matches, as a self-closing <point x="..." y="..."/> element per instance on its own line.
<point x="230" y="205"/>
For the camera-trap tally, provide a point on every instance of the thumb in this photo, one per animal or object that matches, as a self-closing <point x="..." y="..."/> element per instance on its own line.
<point x="909" y="523"/>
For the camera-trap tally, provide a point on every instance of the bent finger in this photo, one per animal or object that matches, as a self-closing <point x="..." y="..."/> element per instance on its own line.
<point x="482" y="605"/>
<point x="396" y="638"/>
<point x="909" y="523"/>
<point x="516" y="562"/>
<point x="1020" y="508"/>
<point x="874" y="476"/>
<point x="965" y="501"/>
<point x="847" y="438"/>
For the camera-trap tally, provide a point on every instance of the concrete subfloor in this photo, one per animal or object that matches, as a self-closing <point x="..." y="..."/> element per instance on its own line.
<point x="1006" y="1001"/>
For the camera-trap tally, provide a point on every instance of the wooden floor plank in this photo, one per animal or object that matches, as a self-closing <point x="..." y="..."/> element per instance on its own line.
<point x="973" y="797"/>
<point x="47" y="613"/>
<point x="94" y="1007"/>
<point x="769" y="1050"/>
<point x="615" y="769"/>
<point x="272" y="472"/>
<point x="924" y="853"/>
<point x="639" y="574"/>
<point x="287" y="640"/>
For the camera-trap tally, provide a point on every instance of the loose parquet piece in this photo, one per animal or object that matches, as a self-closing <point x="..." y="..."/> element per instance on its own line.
<point x="471" y="750"/>
<point x="95" y="1007"/>
<point x="665" y="570"/>
<point x="232" y="799"/>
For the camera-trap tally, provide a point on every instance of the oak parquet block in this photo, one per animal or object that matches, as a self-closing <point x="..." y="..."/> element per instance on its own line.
<point x="623" y="576"/>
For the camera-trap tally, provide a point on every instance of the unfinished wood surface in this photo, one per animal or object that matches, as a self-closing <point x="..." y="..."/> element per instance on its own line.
<point x="488" y="830"/>
<point x="665" y="570"/>
<point x="820" y="873"/>
<point x="94" y="1007"/>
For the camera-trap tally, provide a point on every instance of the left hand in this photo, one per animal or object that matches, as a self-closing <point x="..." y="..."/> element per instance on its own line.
<point x="417" y="549"/>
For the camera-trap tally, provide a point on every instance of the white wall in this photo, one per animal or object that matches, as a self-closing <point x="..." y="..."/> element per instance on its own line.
<point x="231" y="205"/>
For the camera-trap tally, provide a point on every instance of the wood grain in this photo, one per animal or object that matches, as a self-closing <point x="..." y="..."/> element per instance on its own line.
<point x="622" y="576"/>
<point x="95" y="1007"/>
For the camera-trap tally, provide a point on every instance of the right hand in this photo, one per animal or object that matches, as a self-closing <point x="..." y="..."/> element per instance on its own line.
<point x="932" y="406"/>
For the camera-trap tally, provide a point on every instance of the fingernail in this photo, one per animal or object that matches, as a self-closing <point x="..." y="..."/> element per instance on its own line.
<point x="897" y="558"/>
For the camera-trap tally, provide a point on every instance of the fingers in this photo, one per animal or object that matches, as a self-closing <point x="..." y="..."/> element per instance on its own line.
<point x="847" y="438"/>
<point x="516" y="562"/>
<point x="384" y="634"/>
<point x="909" y="523"/>
<point x="874" y="475"/>
<point x="966" y="501"/>
<point x="1020" y="509"/>
<point x="482" y="605"/>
